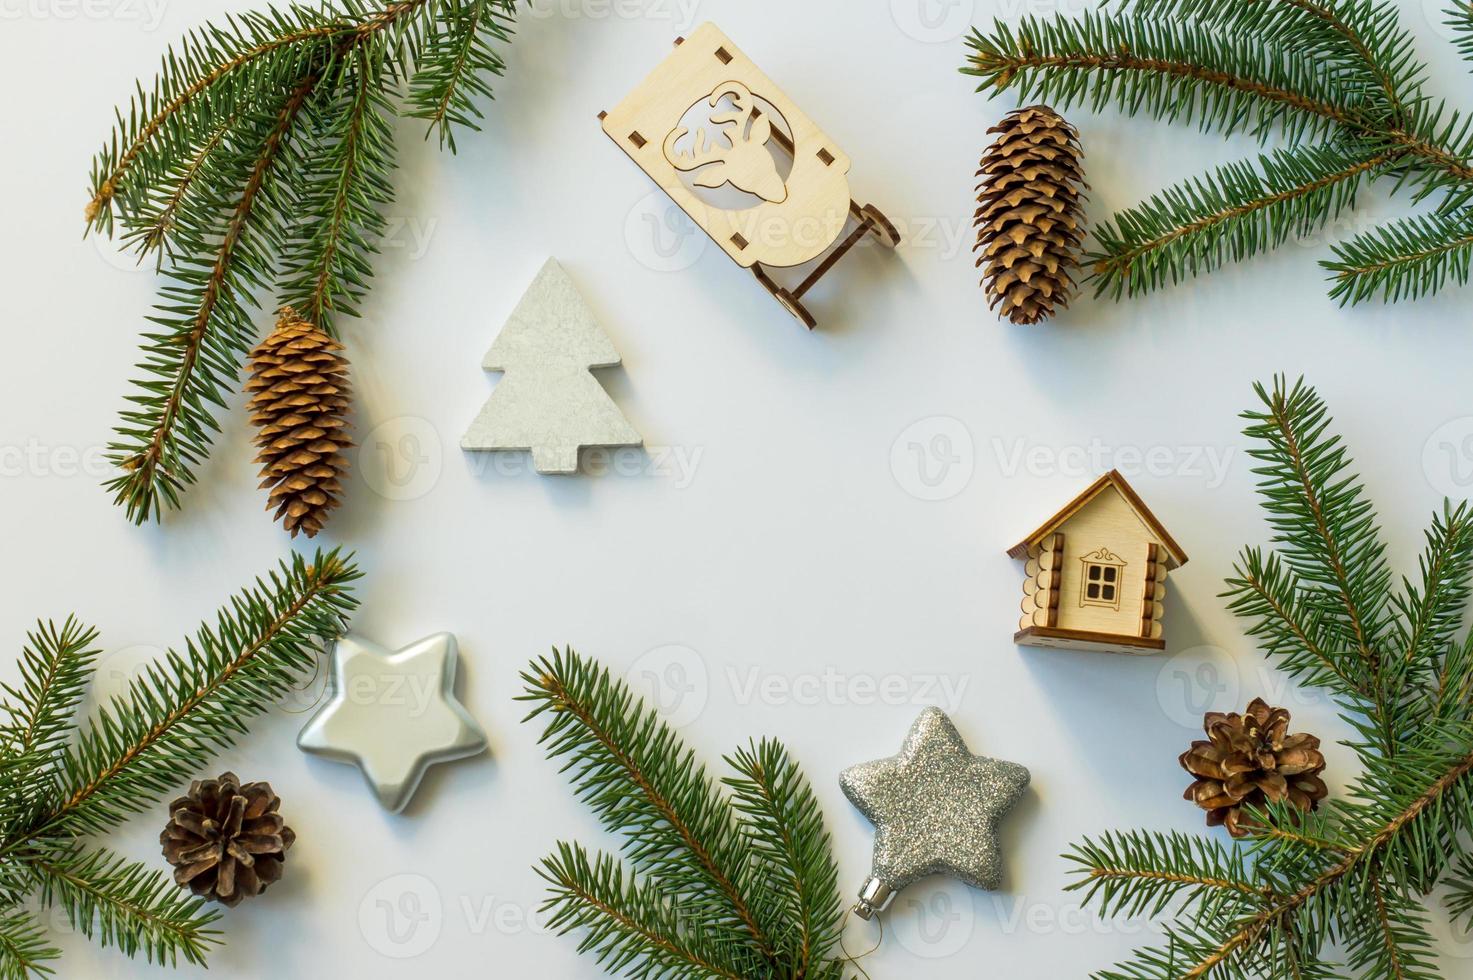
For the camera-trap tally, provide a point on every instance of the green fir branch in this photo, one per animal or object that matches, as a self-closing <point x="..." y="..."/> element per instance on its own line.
<point x="457" y="61"/>
<point x="1221" y="943"/>
<point x="1325" y="529"/>
<point x="1452" y="681"/>
<point x="740" y="886"/>
<point x="116" y="902"/>
<point x="642" y="781"/>
<point x="160" y="208"/>
<point x="1429" y="612"/>
<point x="1342" y="40"/>
<point x="1178" y="72"/>
<point x="206" y="316"/>
<point x="194" y="702"/>
<point x="1137" y="874"/>
<point x="631" y="927"/>
<point x="1389" y="938"/>
<point x="1436" y="144"/>
<point x="786" y="832"/>
<point x="1411" y="258"/>
<point x="1239" y="211"/>
<point x="260" y="160"/>
<point x="217" y="71"/>
<point x="1460" y="19"/>
<point x="1374" y="42"/>
<point x="1352" y="879"/>
<point x="25" y="953"/>
<point x="55" y="666"/>
<point x="1193" y="951"/>
<point x="1290" y="624"/>
<point x="204" y="81"/>
<point x="344" y="185"/>
<point x="1339" y="80"/>
<point x="1423" y="795"/>
<point x="62" y="781"/>
<point x="1460" y="892"/>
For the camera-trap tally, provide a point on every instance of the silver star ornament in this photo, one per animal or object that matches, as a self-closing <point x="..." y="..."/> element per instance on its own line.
<point x="936" y="808"/>
<point x="393" y="714"/>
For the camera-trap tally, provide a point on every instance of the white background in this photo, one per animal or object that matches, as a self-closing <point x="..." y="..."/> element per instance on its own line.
<point x="799" y="568"/>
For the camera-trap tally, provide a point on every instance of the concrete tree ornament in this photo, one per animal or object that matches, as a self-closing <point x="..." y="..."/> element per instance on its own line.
<point x="548" y="403"/>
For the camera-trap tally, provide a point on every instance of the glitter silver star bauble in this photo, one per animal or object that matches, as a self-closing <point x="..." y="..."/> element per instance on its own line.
<point x="936" y="809"/>
<point x="393" y="714"/>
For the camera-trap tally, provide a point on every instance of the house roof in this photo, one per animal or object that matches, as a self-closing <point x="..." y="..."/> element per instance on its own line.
<point x="1110" y="479"/>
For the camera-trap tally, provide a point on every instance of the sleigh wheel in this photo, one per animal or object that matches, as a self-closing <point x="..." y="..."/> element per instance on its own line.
<point x="880" y="226"/>
<point x="795" y="306"/>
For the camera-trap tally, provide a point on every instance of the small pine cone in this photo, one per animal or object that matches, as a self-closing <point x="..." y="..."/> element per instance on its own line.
<point x="1251" y="760"/>
<point x="1030" y="214"/>
<point x="299" y="403"/>
<point x="226" y="841"/>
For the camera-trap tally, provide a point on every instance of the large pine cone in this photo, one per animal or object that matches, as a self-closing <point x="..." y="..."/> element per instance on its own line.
<point x="1250" y="760"/>
<point x="1030" y="218"/>
<point x="226" y="841"/>
<point x="299" y="404"/>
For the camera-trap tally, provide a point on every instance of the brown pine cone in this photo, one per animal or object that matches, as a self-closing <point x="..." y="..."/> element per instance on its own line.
<point x="1030" y="219"/>
<point x="299" y="403"/>
<point x="1250" y="760"/>
<point x="226" y="841"/>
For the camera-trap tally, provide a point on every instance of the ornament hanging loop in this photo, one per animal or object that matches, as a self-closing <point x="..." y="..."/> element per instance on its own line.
<point x="849" y="957"/>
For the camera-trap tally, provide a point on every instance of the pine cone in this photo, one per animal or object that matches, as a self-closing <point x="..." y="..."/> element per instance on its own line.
<point x="1030" y="221"/>
<point x="226" y="841"/>
<point x="299" y="402"/>
<point x="1250" y="760"/>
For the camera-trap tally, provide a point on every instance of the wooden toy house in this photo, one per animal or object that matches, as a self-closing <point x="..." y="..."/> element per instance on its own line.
<point x="1096" y="574"/>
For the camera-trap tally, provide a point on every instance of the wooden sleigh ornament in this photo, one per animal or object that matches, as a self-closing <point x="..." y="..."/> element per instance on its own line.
<point x="709" y="112"/>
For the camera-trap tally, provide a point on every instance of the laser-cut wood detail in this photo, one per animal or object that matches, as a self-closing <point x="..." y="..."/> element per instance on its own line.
<point x="1100" y="582"/>
<point x="1041" y="585"/>
<point x="735" y="154"/>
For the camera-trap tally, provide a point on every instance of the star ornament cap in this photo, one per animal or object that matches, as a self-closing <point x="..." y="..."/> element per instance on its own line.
<point x="936" y="808"/>
<point x="393" y="714"/>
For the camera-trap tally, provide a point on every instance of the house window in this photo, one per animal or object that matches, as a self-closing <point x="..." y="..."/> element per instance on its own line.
<point x="1101" y="585"/>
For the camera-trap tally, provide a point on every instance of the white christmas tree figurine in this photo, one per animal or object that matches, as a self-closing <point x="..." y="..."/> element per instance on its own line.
<point x="548" y="402"/>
